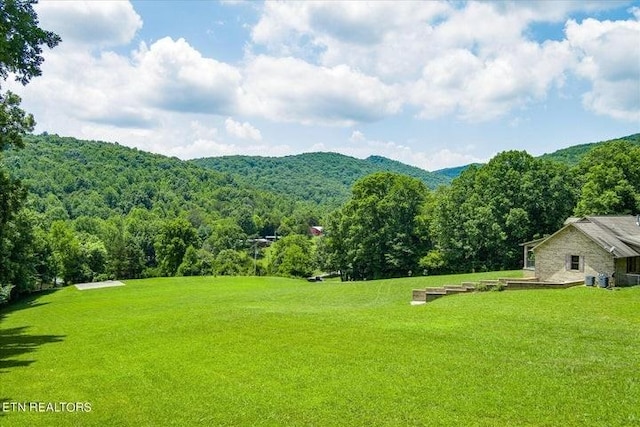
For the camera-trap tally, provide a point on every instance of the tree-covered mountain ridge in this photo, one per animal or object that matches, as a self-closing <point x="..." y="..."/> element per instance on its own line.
<point x="325" y="176"/>
<point x="320" y="177"/>
<point x="100" y="210"/>
<point x="571" y="156"/>
<point x="98" y="178"/>
<point x="68" y="178"/>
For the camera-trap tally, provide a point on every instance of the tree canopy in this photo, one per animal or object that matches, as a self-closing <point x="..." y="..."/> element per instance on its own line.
<point x="323" y="179"/>
<point x="20" y="54"/>
<point x="610" y="180"/>
<point x="480" y="220"/>
<point x="21" y="40"/>
<point x="378" y="233"/>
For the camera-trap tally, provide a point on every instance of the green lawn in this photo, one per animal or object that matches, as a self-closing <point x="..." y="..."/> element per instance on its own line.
<point x="272" y="351"/>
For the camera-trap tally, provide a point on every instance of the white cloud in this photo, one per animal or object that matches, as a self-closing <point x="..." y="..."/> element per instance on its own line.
<point x="105" y="91"/>
<point x="174" y="76"/>
<point x="609" y="57"/>
<point x="478" y="88"/>
<point x="380" y="38"/>
<point x="132" y="92"/>
<point x="357" y="136"/>
<point x="487" y="66"/>
<point x="242" y="130"/>
<point x="292" y="90"/>
<point x="98" y="24"/>
<point x="475" y="60"/>
<point x="200" y="148"/>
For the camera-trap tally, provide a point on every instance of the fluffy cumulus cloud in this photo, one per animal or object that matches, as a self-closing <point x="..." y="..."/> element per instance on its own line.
<point x="293" y="90"/>
<point x="474" y="60"/>
<point x="609" y="57"/>
<point x="176" y="77"/>
<point x="380" y="38"/>
<point x="242" y="130"/>
<point x="480" y="88"/>
<point x="96" y="24"/>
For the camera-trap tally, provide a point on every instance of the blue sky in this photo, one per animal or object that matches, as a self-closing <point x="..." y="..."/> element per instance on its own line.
<point x="432" y="84"/>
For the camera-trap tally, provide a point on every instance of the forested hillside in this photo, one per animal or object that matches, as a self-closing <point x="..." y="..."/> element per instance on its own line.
<point x="572" y="155"/>
<point x="69" y="178"/>
<point x="323" y="178"/>
<point x="99" y="210"/>
<point x="454" y="172"/>
<point x="569" y="156"/>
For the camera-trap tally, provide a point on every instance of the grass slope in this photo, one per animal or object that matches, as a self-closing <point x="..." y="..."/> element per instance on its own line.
<point x="273" y="351"/>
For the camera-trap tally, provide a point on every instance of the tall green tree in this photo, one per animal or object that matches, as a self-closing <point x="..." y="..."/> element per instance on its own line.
<point x="378" y="233"/>
<point x="610" y="180"/>
<point x="67" y="252"/>
<point x="124" y="253"/>
<point x="480" y="220"/>
<point x="230" y="262"/>
<point x="293" y="255"/>
<point x="173" y="240"/>
<point x="225" y="234"/>
<point x="21" y="55"/>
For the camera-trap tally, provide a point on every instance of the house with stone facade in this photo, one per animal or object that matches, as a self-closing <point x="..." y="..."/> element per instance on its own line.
<point x="588" y="247"/>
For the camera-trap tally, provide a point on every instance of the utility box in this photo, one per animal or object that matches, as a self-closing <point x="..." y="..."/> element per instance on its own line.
<point x="590" y="280"/>
<point x="603" y="280"/>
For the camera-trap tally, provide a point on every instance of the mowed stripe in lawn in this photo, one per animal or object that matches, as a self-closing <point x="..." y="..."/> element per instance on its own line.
<point x="272" y="351"/>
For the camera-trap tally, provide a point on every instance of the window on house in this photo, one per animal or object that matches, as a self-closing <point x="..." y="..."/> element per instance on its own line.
<point x="530" y="262"/>
<point x="633" y="265"/>
<point x="574" y="263"/>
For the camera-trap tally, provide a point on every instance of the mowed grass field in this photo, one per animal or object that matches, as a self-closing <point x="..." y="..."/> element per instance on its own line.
<point x="272" y="351"/>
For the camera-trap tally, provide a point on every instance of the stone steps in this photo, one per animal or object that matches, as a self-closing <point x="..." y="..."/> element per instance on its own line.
<point x="422" y="296"/>
<point x="430" y="294"/>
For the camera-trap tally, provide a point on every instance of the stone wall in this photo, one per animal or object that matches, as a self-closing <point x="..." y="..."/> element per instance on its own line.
<point x="551" y="257"/>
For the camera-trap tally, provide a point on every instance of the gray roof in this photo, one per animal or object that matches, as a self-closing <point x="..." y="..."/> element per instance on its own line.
<point x="618" y="235"/>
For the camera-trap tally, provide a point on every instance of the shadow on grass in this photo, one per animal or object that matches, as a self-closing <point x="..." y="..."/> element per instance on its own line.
<point x="17" y="341"/>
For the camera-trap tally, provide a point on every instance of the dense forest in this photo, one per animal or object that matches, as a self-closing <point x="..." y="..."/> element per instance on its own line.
<point x="324" y="179"/>
<point x="97" y="210"/>
<point x="571" y="156"/>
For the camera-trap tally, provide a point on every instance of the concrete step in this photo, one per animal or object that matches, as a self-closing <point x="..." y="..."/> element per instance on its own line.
<point x="419" y="295"/>
<point x="456" y="290"/>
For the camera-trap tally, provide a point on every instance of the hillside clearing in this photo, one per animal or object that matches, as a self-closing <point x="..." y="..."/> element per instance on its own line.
<point x="273" y="351"/>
